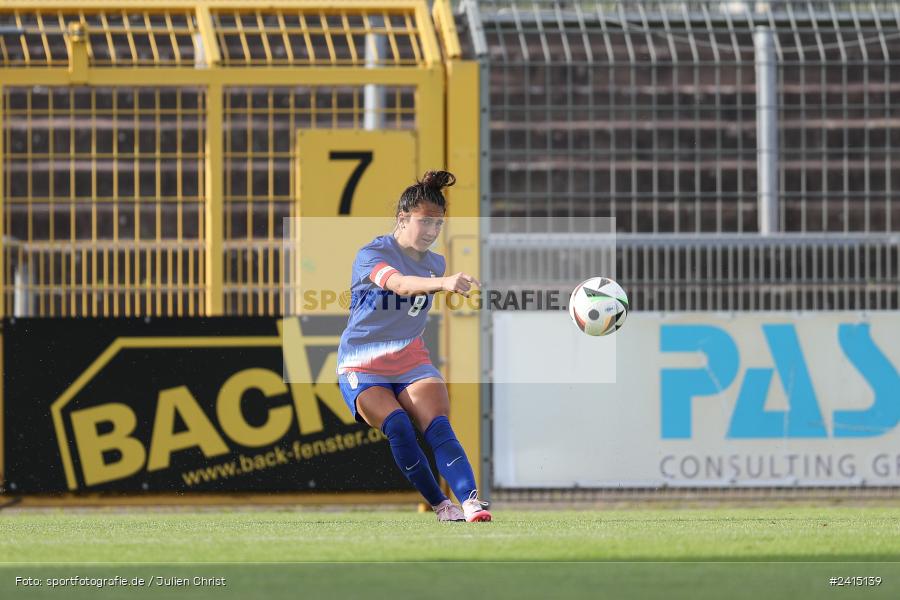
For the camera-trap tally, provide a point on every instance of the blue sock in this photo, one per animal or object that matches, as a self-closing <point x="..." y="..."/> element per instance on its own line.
<point x="410" y="457"/>
<point x="451" y="458"/>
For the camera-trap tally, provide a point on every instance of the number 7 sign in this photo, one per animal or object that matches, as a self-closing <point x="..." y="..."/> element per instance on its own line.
<point x="352" y="172"/>
<point x="347" y="186"/>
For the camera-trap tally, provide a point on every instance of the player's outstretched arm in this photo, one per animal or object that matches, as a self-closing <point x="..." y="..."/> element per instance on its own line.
<point x="409" y="285"/>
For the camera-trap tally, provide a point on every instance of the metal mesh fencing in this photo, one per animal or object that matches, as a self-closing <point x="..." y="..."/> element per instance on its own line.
<point x="654" y="113"/>
<point x="260" y="126"/>
<point x="104" y="201"/>
<point x="114" y="37"/>
<point x="316" y="37"/>
<point x="647" y="111"/>
<point x="729" y="273"/>
<point x="146" y="171"/>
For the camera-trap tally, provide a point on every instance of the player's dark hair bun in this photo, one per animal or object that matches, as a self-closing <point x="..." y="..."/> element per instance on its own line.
<point x="438" y="180"/>
<point x="427" y="189"/>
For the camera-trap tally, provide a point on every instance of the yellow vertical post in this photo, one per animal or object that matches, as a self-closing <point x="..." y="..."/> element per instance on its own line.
<point x="76" y="42"/>
<point x="214" y="167"/>
<point x="430" y="120"/>
<point x="2" y="212"/>
<point x="2" y="276"/>
<point x="432" y="156"/>
<point x="2" y="426"/>
<point x="430" y="97"/>
<point x="215" y="203"/>
<point x="431" y="151"/>
<point x="208" y="36"/>
<point x="462" y="328"/>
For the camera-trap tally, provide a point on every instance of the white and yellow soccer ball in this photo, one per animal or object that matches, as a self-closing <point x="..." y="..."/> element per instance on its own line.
<point x="598" y="306"/>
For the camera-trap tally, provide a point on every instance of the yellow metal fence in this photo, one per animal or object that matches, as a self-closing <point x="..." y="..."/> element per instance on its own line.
<point x="149" y="149"/>
<point x="148" y="158"/>
<point x="284" y="33"/>
<point x="103" y="200"/>
<point x="259" y="154"/>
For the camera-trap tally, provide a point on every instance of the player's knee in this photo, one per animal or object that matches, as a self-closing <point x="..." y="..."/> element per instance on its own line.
<point x="398" y="428"/>
<point x="439" y="432"/>
<point x="424" y="419"/>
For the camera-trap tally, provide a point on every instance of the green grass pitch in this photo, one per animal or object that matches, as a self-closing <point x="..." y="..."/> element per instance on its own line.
<point x="755" y="553"/>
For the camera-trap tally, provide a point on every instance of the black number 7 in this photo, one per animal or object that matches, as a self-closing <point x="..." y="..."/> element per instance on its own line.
<point x="365" y="159"/>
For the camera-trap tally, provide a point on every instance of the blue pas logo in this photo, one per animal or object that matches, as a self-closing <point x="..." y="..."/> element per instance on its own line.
<point x="750" y="420"/>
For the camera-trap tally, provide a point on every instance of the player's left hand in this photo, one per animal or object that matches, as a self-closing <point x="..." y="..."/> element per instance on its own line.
<point x="461" y="283"/>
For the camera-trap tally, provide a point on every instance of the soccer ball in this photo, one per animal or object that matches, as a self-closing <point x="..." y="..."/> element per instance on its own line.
<point x="598" y="306"/>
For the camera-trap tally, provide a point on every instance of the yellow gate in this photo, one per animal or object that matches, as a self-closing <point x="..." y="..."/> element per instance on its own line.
<point x="150" y="149"/>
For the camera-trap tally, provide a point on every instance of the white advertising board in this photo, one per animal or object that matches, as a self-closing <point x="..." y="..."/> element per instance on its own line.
<point x="699" y="399"/>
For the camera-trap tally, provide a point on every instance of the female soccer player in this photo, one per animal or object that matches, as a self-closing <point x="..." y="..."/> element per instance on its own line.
<point x="384" y="369"/>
